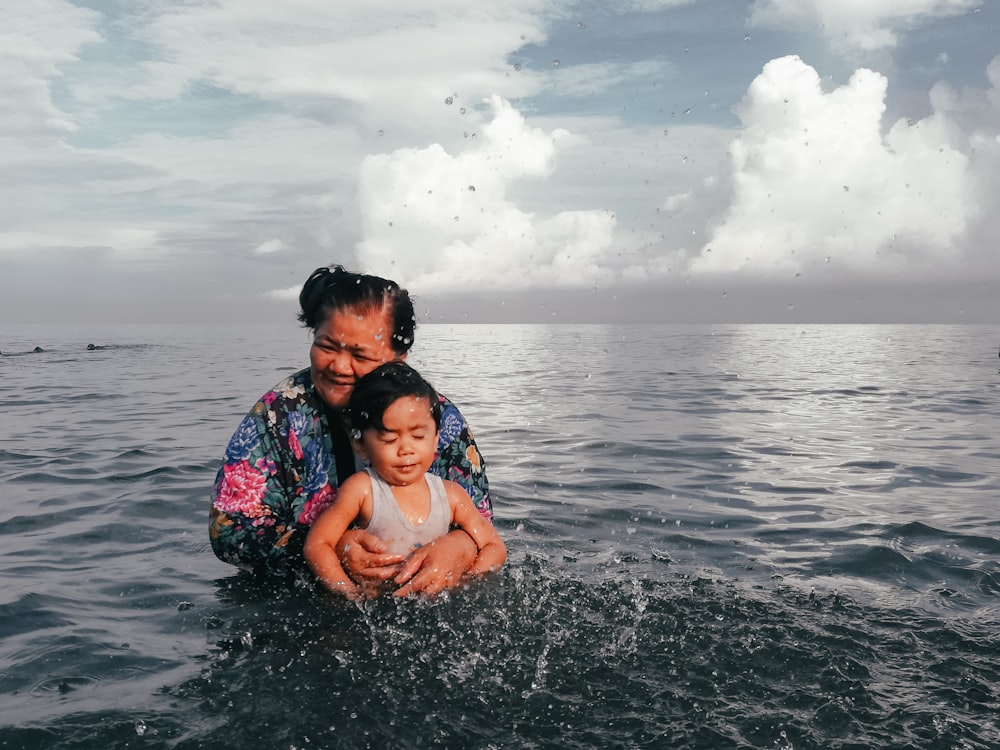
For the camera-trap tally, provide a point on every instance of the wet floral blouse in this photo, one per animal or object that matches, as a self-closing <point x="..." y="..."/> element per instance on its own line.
<point x="280" y="472"/>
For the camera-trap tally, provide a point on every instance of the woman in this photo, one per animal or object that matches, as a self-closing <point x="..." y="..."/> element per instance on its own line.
<point x="287" y="458"/>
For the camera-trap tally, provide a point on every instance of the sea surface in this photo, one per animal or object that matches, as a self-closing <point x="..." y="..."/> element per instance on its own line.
<point x="721" y="536"/>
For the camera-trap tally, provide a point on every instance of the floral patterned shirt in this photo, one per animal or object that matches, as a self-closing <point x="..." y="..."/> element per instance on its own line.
<point x="280" y="472"/>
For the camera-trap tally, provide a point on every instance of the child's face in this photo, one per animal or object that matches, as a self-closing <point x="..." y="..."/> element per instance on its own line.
<point x="405" y="450"/>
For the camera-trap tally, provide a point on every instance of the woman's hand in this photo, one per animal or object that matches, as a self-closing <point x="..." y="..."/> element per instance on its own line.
<point x="364" y="558"/>
<point x="437" y="566"/>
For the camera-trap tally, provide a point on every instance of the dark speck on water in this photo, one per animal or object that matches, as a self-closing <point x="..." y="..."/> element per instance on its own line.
<point x="721" y="537"/>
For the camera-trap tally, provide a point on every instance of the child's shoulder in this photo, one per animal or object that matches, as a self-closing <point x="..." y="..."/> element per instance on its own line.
<point x="359" y="481"/>
<point x="452" y="489"/>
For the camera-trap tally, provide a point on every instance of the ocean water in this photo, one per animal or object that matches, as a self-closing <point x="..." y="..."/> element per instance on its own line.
<point x="720" y="537"/>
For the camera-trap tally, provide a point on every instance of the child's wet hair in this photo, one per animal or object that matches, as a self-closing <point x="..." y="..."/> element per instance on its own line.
<point x="378" y="390"/>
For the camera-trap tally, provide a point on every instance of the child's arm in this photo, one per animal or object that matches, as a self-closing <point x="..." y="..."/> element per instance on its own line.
<point x="492" y="550"/>
<point x="320" y="549"/>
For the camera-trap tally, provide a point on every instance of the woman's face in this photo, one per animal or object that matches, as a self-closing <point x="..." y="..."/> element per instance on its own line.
<point x="351" y="343"/>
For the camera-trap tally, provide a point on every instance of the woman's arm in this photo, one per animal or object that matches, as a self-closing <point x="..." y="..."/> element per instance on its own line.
<point x="437" y="566"/>
<point x="459" y="460"/>
<point x="251" y="521"/>
<point x="275" y="479"/>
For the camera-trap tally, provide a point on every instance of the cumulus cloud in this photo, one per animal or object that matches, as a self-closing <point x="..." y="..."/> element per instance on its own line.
<point x="441" y="221"/>
<point x="864" y="25"/>
<point x="815" y="182"/>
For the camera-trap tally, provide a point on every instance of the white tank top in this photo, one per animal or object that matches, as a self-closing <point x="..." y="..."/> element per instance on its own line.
<point x="390" y="524"/>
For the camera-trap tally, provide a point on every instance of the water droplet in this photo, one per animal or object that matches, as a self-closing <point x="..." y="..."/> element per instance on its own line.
<point x="517" y="66"/>
<point x="472" y="188"/>
<point x="461" y="110"/>
<point x="381" y="132"/>
<point x="846" y="189"/>
<point x="746" y="37"/>
<point x="581" y="25"/>
<point x="687" y="112"/>
<point x="666" y="131"/>
<point x="555" y="63"/>
<point x="449" y="100"/>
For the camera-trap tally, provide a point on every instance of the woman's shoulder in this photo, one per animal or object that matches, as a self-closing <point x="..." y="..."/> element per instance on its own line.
<point x="453" y="424"/>
<point x="294" y="389"/>
<point x="294" y="395"/>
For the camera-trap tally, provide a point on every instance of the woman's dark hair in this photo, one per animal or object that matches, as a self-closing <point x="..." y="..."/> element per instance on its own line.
<point x="330" y="289"/>
<point x="375" y="392"/>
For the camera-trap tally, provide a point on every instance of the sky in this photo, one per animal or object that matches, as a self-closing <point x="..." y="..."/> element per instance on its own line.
<point x="669" y="161"/>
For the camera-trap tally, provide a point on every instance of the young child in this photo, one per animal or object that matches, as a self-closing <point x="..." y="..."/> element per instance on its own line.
<point x="396" y="417"/>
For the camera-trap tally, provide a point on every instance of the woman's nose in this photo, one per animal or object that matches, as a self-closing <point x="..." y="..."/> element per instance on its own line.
<point x="341" y="363"/>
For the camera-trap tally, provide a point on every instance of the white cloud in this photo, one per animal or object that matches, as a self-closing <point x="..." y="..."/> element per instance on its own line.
<point x="676" y="202"/>
<point x="389" y="60"/>
<point x="271" y="246"/>
<point x="38" y="38"/>
<point x="289" y="293"/>
<point x="79" y="235"/>
<point x="815" y="182"/>
<point x="858" y="24"/>
<point x="583" y="80"/>
<point x="439" y="221"/>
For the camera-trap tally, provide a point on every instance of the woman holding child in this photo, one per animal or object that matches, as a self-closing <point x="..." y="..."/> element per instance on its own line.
<point x="289" y="456"/>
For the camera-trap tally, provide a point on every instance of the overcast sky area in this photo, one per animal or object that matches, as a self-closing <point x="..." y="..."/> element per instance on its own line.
<point x="524" y="160"/>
